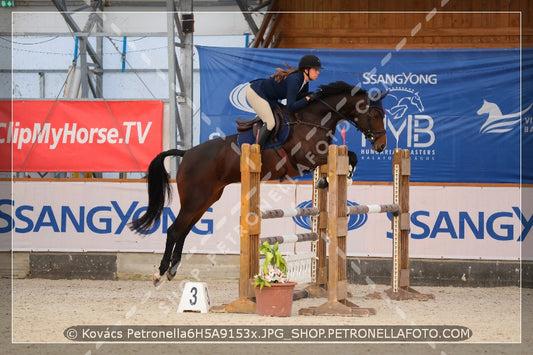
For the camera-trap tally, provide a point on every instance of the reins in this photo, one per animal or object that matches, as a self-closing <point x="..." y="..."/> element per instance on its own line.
<point x="370" y="134"/>
<point x="299" y="121"/>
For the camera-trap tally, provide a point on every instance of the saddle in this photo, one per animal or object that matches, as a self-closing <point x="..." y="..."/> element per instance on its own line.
<point x="245" y="124"/>
<point x="247" y="130"/>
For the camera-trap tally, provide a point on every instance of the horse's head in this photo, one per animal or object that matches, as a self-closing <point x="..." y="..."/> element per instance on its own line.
<point x="487" y="107"/>
<point x="358" y="107"/>
<point x="372" y="124"/>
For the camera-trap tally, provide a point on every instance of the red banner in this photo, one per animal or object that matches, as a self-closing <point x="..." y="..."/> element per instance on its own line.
<point x="91" y="136"/>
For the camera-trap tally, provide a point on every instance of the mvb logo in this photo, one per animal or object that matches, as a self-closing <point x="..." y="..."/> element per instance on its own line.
<point x="406" y="119"/>
<point x="496" y="121"/>
<point x="354" y="221"/>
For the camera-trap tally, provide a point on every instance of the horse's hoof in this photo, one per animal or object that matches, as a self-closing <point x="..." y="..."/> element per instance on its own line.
<point x="157" y="279"/>
<point x="322" y="183"/>
<point x="171" y="273"/>
<point x="170" y="276"/>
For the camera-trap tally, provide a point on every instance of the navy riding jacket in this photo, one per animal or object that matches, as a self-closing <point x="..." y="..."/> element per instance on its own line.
<point x="287" y="88"/>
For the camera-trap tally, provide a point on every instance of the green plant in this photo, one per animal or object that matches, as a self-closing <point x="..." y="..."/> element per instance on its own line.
<point x="274" y="268"/>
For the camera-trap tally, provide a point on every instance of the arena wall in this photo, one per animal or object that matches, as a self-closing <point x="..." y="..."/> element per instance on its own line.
<point x="140" y="266"/>
<point x="409" y="24"/>
<point x="86" y="253"/>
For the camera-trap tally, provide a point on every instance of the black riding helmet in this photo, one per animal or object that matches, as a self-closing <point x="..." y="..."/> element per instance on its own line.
<point x="309" y="61"/>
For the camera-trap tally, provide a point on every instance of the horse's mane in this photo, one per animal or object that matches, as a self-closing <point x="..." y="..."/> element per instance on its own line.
<point x="340" y="87"/>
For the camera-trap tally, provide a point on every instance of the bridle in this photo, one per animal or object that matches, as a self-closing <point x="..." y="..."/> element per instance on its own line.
<point x="369" y="133"/>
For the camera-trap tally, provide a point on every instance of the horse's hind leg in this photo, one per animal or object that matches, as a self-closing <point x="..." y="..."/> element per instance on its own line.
<point x="172" y="255"/>
<point x="176" y="234"/>
<point x="179" y="240"/>
<point x="183" y="225"/>
<point x="165" y="261"/>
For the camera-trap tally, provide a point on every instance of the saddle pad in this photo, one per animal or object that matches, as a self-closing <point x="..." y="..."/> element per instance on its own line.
<point x="248" y="137"/>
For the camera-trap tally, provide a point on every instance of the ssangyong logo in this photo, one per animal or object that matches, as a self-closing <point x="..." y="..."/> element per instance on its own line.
<point x="354" y="221"/>
<point x="389" y="79"/>
<point x="496" y="121"/>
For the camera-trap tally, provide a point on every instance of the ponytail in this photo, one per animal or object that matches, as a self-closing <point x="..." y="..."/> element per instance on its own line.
<point x="283" y="73"/>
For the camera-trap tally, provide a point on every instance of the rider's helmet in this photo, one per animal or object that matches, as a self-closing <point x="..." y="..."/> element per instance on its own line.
<point x="309" y="61"/>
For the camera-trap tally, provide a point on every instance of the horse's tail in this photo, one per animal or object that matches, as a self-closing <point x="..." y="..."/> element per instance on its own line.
<point x="159" y="190"/>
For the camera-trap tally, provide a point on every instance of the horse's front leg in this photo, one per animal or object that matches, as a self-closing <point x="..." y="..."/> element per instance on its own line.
<point x="322" y="183"/>
<point x="352" y="162"/>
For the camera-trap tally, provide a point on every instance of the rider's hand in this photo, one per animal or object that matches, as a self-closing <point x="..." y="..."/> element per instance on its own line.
<point x="314" y="96"/>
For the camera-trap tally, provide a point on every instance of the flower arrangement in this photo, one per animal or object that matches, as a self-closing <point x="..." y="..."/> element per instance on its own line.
<point x="274" y="268"/>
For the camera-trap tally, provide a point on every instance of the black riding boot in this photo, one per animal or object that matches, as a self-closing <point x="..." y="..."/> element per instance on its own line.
<point x="264" y="134"/>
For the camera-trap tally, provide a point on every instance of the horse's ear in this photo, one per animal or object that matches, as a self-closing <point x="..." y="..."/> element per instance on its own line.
<point x="378" y="96"/>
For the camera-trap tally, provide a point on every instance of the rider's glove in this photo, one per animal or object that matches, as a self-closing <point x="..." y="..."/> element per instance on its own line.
<point x="315" y="95"/>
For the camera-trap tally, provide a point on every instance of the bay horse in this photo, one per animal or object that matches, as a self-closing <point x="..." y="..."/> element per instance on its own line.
<point x="207" y="168"/>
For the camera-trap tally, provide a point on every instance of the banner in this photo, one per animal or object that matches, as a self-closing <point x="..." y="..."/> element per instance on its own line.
<point x="93" y="216"/>
<point x="101" y="136"/>
<point x="465" y="114"/>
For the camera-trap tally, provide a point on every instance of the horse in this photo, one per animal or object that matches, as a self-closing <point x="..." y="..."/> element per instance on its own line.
<point x="207" y="168"/>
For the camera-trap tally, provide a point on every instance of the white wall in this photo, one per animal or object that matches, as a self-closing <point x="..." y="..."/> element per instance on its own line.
<point x="99" y="212"/>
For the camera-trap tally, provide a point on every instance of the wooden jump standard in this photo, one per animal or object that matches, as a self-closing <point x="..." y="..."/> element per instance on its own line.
<point x="250" y="229"/>
<point x="337" y="213"/>
<point x="337" y="284"/>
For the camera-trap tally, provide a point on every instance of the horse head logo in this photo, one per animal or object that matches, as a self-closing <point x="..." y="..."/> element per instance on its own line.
<point x="497" y="122"/>
<point x="417" y="102"/>
<point x="406" y="99"/>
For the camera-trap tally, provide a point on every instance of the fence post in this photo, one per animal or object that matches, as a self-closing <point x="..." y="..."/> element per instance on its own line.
<point x="337" y="303"/>
<point x="250" y="229"/>
<point x="319" y="226"/>
<point x="400" y="289"/>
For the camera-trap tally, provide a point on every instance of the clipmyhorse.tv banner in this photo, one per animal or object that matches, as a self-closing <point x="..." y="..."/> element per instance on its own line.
<point x="80" y="135"/>
<point x="463" y="113"/>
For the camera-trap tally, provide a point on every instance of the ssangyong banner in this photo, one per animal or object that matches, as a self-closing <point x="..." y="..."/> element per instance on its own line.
<point x="79" y="135"/>
<point x="446" y="222"/>
<point x="464" y="113"/>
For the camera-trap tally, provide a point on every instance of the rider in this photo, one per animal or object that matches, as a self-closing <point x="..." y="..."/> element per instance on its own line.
<point x="290" y="83"/>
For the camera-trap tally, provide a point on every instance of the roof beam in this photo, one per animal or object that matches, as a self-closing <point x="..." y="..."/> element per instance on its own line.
<point x="62" y="7"/>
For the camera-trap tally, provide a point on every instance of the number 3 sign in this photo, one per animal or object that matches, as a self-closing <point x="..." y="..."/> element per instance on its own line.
<point x="195" y="298"/>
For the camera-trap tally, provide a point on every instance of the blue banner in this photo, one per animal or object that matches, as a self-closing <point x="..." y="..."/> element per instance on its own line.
<point x="465" y="114"/>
